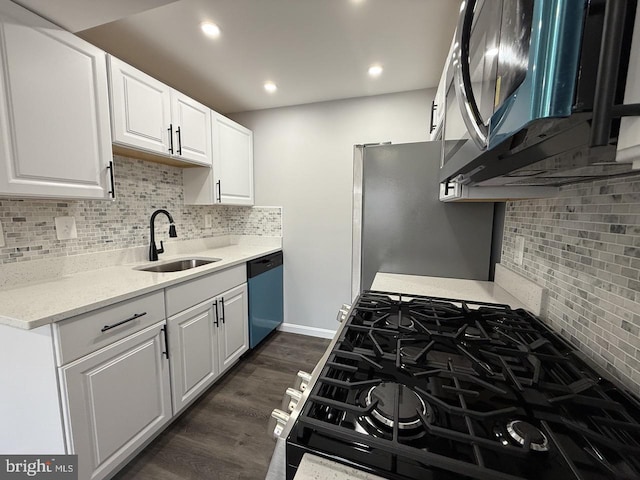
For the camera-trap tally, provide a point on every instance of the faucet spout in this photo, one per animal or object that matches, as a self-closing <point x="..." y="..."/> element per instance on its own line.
<point x="153" y="250"/>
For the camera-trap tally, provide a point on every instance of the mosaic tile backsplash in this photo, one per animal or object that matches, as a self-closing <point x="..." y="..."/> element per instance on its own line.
<point x="141" y="187"/>
<point x="584" y="247"/>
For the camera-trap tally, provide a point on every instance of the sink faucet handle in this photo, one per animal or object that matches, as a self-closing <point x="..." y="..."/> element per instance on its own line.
<point x="161" y="250"/>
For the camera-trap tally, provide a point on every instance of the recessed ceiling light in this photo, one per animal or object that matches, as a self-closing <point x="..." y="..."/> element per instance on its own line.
<point x="375" y="70"/>
<point x="210" y="29"/>
<point x="270" y="87"/>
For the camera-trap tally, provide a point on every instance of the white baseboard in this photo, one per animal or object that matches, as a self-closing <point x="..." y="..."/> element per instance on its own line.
<point x="305" y="330"/>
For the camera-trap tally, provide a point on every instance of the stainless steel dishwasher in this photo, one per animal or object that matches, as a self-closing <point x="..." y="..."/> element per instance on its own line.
<point x="266" y="309"/>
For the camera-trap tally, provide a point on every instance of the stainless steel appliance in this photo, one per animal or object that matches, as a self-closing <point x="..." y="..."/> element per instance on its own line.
<point x="400" y="226"/>
<point x="442" y="389"/>
<point x="531" y="88"/>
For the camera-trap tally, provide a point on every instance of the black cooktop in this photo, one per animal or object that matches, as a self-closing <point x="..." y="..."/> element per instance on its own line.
<point x="432" y="388"/>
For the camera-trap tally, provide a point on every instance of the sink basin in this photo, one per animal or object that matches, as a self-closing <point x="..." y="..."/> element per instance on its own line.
<point x="178" y="265"/>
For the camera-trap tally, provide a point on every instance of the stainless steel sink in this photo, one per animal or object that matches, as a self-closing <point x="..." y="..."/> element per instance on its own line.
<point x="178" y="265"/>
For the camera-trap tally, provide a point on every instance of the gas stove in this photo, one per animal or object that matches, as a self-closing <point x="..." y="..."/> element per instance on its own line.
<point x="430" y="388"/>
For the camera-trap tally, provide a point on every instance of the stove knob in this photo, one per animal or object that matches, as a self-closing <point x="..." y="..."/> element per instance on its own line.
<point x="277" y="422"/>
<point x="302" y="381"/>
<point x="291" y="399"/>
<point x="343" y="313"/>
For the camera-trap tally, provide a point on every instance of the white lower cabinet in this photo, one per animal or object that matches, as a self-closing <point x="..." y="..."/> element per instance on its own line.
<point x="194" y="362"/>
<point x="233" y="335"/>
<point x="116" y="399"/>
<point x="102" y="384"/>
<point x="206" y="340"/>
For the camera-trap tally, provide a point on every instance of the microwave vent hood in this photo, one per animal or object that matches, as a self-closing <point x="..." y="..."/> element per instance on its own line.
<point x="556" y="149"/>
<point x="549" y="153"/>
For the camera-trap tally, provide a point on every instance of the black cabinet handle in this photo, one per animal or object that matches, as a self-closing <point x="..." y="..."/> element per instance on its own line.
<point x="109" y="327"/>
<point x="166" y="342"/>
<point x="112" y="192"/>
<point x="607" y="75"/>
<point x="215" y="304"/>
<point x="219" y="191"/>
<point x="223" y="315"/>
<point x="432" y="127"/>
<point x="179" y="141"/>
<point x="171" y="138"/>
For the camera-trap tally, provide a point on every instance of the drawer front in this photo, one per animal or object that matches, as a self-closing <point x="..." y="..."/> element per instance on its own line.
<point x="190" y="293"/>
<point x="91" y="331"/>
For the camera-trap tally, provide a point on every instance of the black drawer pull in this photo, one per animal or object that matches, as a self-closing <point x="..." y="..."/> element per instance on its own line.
<point x="223" y="315"/>
<point x="216" y="321"/>
<point x="109" y="327"/>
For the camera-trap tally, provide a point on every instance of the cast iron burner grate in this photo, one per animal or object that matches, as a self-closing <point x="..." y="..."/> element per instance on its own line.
<point x="420" y="387"/>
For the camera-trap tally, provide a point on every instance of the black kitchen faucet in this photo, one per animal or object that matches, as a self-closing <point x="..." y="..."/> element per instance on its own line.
<point x="153" y="251"/>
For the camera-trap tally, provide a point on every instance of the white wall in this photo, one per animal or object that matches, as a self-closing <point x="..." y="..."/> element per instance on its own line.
<point x="304" y="162"/>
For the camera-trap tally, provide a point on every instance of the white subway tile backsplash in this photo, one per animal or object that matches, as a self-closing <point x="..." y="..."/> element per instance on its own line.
<point x="141" y="187"/>
<point x="584" y="247"/>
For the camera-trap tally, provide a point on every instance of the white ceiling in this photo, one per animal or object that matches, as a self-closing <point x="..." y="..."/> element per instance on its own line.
<point x="76" y="15"/>
<point x="314" y="50"/>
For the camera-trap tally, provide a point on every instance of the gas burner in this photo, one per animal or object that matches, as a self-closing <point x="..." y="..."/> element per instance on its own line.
<point x="472" y="333"/>
<point x="411" y="351"/>
<point x="520" y="431"/>
<point x="473" y="390"/>
<point x="409" y="408"/>
<point x="395" y="320"/>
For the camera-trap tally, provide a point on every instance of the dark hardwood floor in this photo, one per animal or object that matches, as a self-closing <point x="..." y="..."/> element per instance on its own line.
<point x="223" y="435"/>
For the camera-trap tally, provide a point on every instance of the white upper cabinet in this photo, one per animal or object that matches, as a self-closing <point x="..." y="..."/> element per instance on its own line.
<point x="141" y="108"/>
<point x="55" y="138"/>
<point x="150" y="116"/>
<point x="628" y="149"/>
<point x="231" y="180"/>
<point x="232" y="161"/>
<point x="438" y="104"/>
<point x="192" y="124"/>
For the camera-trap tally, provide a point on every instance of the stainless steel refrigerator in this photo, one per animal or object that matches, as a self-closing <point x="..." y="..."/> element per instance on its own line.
<point x="399" y="224"/>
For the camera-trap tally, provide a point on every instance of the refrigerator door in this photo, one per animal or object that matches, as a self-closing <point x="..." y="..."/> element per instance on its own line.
<point x="404" y="228"/>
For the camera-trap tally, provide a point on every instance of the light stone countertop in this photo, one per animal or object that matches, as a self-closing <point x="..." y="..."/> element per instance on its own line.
<point x="313" y="467"/>
<point x="454" y="288"/>
<point x="40" y="303"/>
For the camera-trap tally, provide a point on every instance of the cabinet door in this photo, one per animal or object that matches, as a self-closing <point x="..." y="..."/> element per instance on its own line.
<point x="233" y="333"/>
<point x="628" y="149"/>
<point x="438" y="106"/>
<point x="193" y="347"/>
<point x="192" y="129"/>
<point x="232" y="161"/>
<point x="115" y="399"/>
<point x="140" y="108"/>
<point x="55" y="138"/>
